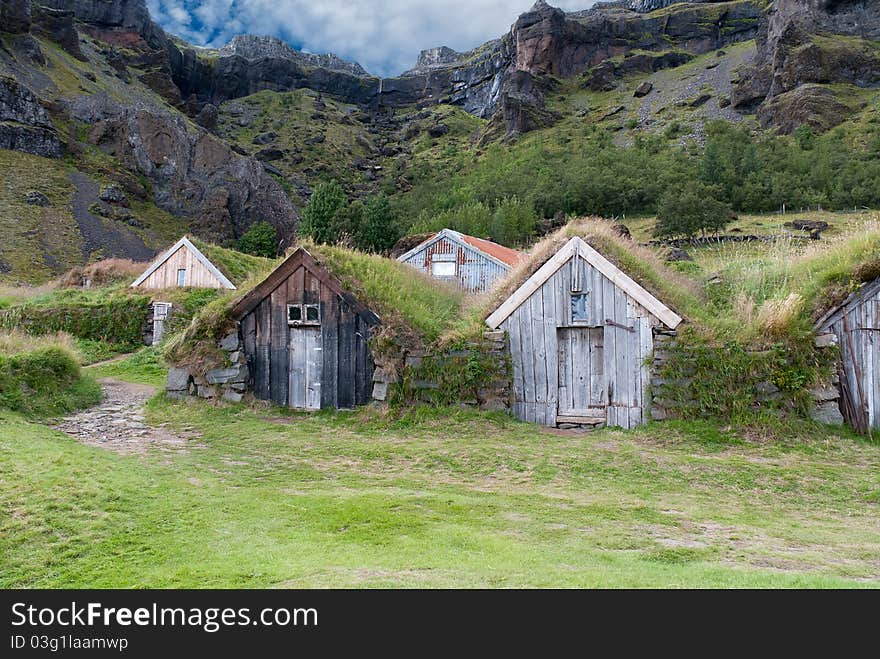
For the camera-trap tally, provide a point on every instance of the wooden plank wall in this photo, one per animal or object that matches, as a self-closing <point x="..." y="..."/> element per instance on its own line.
<point x="347" y="367"/>
<point x="861" y="362"/>
<point x="534" y="346"/>
<point x="197" y="275"/>
<point x="476" y="273"/>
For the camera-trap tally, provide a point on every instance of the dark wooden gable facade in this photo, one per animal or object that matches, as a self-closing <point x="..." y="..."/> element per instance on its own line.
<point x="306" y="339"/>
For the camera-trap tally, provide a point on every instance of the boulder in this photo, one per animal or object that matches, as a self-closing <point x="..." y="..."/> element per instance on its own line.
<point x="265" y="138"/>
<point x="827" y="413"/>
<point x="230" y="342"/>
<point x="35" y="198"/>
<point x="643" y="89"/>
<point x="178" y="379"/>
<point x="113" y="194"/>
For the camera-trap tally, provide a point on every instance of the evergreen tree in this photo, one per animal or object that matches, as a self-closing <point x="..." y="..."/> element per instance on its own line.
<point x="320" y="216"/>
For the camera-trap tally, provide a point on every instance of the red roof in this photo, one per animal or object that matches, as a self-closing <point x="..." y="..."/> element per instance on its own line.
<point x="509" y="256"/>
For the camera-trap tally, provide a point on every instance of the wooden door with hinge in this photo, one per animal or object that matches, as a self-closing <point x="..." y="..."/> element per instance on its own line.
<point x="583" y="394"/>
<point x="306" y="361"/>
<point x="161" y="311"/>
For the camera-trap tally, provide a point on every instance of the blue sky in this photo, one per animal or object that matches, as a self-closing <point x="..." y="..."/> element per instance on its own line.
<point x="385" y="36"/>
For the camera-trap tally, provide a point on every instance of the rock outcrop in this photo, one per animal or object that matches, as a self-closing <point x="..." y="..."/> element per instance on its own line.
<point x="807" y="42"/>
<point x="193" y="174"/>
<point x="254" y="48"/>
<point x="25" y="124"/>
<point x="15" y="16"/>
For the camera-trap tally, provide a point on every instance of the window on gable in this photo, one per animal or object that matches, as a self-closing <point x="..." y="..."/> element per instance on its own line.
<point x="303" y="314"/>
<point x="579" y="312"/>
<point x="443" y="268"/>
<point x="181" y="277"/>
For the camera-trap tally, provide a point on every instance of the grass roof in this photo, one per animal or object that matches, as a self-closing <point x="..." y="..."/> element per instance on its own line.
<point x="403" y="297"/>
<point x="237" y="266"/>
<point x="642" y="264"/>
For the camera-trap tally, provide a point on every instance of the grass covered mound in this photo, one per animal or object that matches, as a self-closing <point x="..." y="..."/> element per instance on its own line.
<point x="105" y="315"/>
<point x="404" y="298"/>
<point x="41" y="376"/>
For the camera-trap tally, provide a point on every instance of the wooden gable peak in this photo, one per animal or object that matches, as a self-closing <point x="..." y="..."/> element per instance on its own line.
<point x="185" y="243"/>
<point x="300" y="258"/>
<point x="574" y="248"/>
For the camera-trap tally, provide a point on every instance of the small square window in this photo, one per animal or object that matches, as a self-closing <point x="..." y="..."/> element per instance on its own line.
<point x="579" y="308"/>
<point x="312" y="315"/>
<point x="294" y="314"/>
<point x="443" y="268"/>
<point x="181" y="277"/>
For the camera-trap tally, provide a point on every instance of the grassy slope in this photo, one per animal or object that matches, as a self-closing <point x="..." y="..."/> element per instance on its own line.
<point x="449" y="499"/>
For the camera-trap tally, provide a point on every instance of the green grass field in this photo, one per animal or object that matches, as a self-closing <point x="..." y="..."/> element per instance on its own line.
<point x="265" y="498"/>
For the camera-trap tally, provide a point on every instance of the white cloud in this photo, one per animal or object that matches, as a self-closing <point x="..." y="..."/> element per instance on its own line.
<point x="385" y="36"/>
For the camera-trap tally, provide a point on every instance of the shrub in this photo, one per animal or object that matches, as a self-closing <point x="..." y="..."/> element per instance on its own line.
<point x="261" y="239"/>
<point x="690" y="210"/>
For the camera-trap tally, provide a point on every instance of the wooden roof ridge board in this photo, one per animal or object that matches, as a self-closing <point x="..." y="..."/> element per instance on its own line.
<point x="457" y="238"/>
<point x="833" y="315"/>
<point x="578" y="247"/>
<point x="300" y="257"/>
<point x="185" y="242"/>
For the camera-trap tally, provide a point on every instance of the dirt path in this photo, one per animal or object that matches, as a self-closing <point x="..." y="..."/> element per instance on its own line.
<point x="118" y="425"/>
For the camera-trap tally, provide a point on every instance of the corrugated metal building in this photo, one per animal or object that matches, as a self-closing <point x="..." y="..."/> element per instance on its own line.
<point x="581" y="333"/>
<point x="472" y="263"/>
<point x="856" y="323"/>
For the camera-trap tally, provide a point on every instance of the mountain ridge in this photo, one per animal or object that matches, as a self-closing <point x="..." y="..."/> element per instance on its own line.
<point x="198" y="140"/>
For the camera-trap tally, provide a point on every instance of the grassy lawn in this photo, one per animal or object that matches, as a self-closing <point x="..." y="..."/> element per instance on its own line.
<point x="260" y="497"/>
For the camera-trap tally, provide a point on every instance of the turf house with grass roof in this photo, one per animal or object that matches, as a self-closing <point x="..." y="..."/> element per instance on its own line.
<point x="854" y="326"/>
<point x="306" y="339"/>
<point x="581" y="335"/>
<point x="473" y="264"/>
<point x="183" y="266"/>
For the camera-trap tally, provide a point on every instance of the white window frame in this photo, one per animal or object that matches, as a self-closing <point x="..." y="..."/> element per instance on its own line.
<point x="443" y="260"/>
<point x="304" y="315"/>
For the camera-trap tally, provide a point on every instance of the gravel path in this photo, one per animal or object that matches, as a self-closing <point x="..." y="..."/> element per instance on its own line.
<point x="118" y="425"/>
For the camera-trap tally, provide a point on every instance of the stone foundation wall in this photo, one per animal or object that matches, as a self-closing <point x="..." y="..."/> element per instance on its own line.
<point x="475" y="375"/>
<point x="666" y="405"/>
<point x="228" y="384"/>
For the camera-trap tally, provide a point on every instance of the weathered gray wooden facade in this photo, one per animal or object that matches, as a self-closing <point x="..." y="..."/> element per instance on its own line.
<point x="306" y="339"/>
<point x="471" y="263"/>
<point x="856" y="326"/>
<point x="581" y="334"/>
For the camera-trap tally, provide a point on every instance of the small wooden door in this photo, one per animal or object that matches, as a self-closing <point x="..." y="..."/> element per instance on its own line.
<point x="306" y="362"/>
<point x="161" y="310"/>
<point x="582" y="386"/>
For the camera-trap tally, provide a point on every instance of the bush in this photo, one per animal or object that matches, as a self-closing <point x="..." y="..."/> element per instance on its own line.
<point x="690" y="210"/>
<point x="261" y="239"/>
<point x="321" y="217"/>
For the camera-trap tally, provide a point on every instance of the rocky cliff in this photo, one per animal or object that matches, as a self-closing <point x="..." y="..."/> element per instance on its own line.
<point x="803" y="45"/>
<point x="190" y="173"/>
